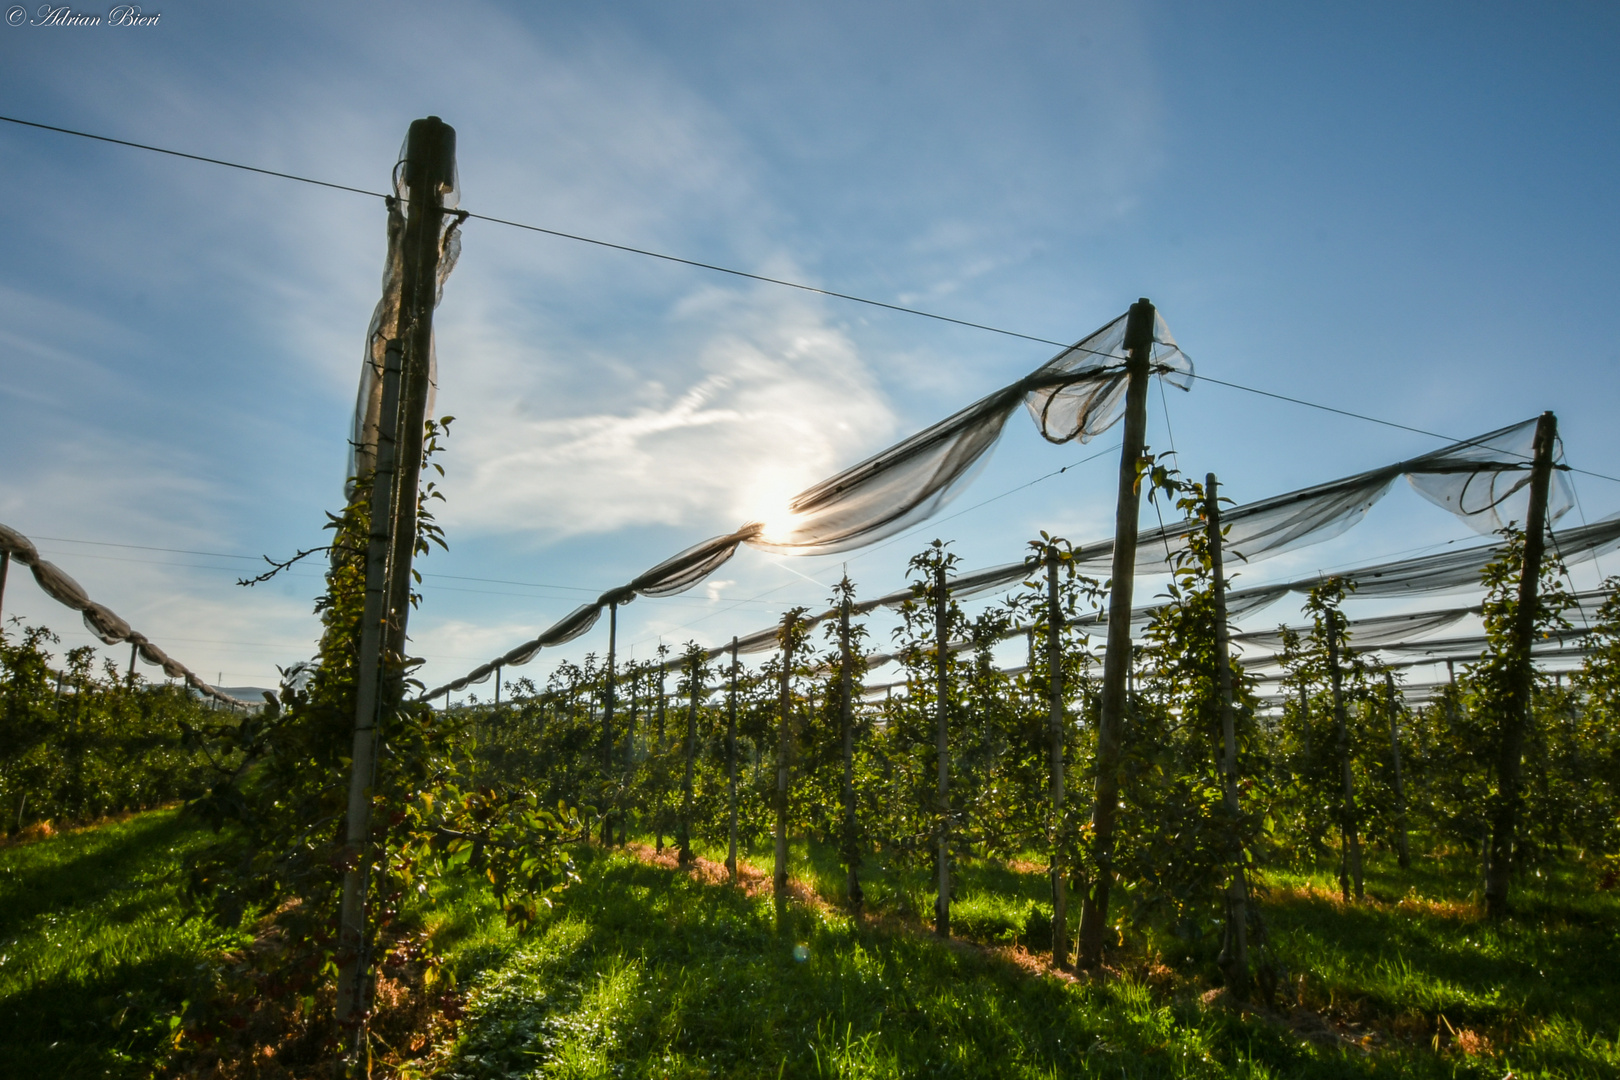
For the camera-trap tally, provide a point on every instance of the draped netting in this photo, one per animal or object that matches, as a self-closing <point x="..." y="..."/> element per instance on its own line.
<point x="1440" y="572"/>
<point x="1073" y="397"/>
<point x="98" y="619"/>
<point x="1258" y="530"/>
<point x="1482" y="480"/>
<point x="385" y="322"/>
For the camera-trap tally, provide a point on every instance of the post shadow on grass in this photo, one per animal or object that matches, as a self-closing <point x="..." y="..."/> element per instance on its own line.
<point x="703" y="976"/>
<point x="99" y="869"/>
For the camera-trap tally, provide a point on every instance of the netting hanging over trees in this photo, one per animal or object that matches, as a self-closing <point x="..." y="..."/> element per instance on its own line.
<point x="1073" y="397"/>
<point x="98" y="619"/>
<point x="1483" y="480"/>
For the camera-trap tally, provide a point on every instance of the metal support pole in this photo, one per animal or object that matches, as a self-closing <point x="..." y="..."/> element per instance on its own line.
<point x="1516" y="721"/>
<point x="5" y="568"/>
<point x="1235" y="953"/>
<point x="1117" y="659"/>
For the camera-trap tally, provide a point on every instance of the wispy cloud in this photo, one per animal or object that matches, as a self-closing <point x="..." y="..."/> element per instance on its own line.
<point x="742" y="420"/>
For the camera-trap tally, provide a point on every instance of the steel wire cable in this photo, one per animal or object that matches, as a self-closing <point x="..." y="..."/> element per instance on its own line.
<point x="717" y="268"/>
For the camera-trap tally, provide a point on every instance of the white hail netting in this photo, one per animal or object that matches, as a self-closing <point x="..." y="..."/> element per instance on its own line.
<point x="1075" y="396"/>
<point x="385" y="324"/>
<point x="99" y="620"/>
<point x="1259" y="530"/>
<point x="1271" y="526"/>
<point x="1482" y="480"/>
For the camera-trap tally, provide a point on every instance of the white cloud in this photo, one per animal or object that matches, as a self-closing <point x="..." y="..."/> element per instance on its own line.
<point x="769" y="405"/>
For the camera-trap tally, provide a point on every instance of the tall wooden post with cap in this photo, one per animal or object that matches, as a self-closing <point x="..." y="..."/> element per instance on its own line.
<point x="429" y="173"/>
<point x="1510" y="760"/>
<point x="1117" y="659"/>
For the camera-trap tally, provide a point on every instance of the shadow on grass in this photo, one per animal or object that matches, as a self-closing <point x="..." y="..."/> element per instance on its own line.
<point x="1558" y="956"/>
<point x="96" y="951"/>
<point x="83" y="868"/>
<point x="646" y="972"/>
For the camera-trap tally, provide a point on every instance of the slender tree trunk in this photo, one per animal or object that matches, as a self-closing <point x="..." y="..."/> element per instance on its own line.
<point x="1305" y="723"/>
<point x="684" y="826"/>
<point x="779" y="876"/>
<point x="1402" y="847"/>
<point x="629" y="765"/>
<point x="1516" y="719"/>
<point x="1235" y="953"/>
<point x="942" y="705"/>
<point x="609" y="691"/>
<point x="1349" y="829"/>
<point x="660" y="774"/>
<point x="846" y="723"/>
<point x="731" y="768"/>
<point x="1057" y="731"/>
<point x="1117" y="658"/>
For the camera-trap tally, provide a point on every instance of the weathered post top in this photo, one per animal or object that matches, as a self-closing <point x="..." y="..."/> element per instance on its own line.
<point x="1139" y="328"/>
<point x="430" y="154"/>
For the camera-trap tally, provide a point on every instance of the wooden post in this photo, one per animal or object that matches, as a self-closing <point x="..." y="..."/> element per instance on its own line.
<point x="1057" y="732"/>
<point x="779" y="876"/>
<point x="1234" y="959"/>
<point x="942" y="731"/>
<point x="846" y="722"/>
<point x="1516" y="720"/>
<point x="497" y="690"/>
<point x="683" y="831"/>
<point x="1117" y="658"/>
<point x="1349" y="832"/>
<point x="731" y="768"/>
<point x="607" y="723"/>
<point x="1402" y="847"/>
<point x="134" y="650"/>
<point x="5" y="568"/>
<point x="429" y="171"/>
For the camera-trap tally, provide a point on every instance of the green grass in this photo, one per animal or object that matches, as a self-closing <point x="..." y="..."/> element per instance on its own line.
<point x="96" y="950"/>
<point x="642" y="972"/>
<point x="646" y="973"/>
<point x="1547" y="978"/>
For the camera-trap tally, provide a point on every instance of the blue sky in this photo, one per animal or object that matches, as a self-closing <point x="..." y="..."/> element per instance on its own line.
<point x="1400" y="210"/>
